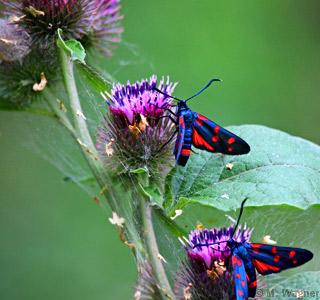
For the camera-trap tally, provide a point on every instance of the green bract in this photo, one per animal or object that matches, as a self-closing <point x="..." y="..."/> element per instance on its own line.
<point x="72" y="47"/>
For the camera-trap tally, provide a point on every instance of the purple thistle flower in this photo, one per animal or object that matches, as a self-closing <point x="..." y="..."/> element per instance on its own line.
<point x="94" y="23"/>
<point x="105" y="30"/>
<point x="208" y="270"/>
<point x="133" y="125"/>
<point x="208" y="253"/>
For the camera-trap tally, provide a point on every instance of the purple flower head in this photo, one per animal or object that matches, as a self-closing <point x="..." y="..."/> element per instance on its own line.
<point x="94" y="23"/>
<point x="208" y="270"/>
<point x="134" y="124"/>
<point x="208" y="253"/>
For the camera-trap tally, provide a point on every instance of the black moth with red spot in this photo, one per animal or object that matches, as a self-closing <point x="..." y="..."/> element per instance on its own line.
<point x="200" y="132"/>
<point x="266" y="259"/>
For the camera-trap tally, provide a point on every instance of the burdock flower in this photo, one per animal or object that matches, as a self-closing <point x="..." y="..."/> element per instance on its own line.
<point x="137" y="126"/>
<point x="207" y="273"/>
<point x="95" y="23"/>
<point x="14" y="45"/>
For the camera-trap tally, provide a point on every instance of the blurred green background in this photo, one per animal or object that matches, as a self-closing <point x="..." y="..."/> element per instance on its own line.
<point x="56" y="242"/>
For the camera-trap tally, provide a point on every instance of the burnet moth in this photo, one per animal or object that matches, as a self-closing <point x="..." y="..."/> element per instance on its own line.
<point x="200" y="132"/>
<point x="266" y="259"/>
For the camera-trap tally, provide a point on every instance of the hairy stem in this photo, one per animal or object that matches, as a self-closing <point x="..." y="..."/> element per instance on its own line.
<point x="81" y="132"/>
<point x="55" y="107"/>
<point x="82" y="136"/>
<point x="152" y="246"/>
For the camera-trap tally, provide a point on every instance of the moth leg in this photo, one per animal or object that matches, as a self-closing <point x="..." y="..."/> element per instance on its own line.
<point x="167" y="142"/>
<point x="166" y="108"/>
<point x="172" y="119"/>
<point x="194" y="151"/>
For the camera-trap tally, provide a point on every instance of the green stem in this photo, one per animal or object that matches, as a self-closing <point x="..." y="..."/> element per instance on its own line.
<point x="81" y="132"/>
<point x="82" y="136"/>
<point x="152" y="246"/>
<point x="59" y="114"/>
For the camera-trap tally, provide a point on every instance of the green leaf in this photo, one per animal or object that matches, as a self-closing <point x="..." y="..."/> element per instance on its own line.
<point x="308" y="282"/>
<point x="280" y="169"/>
<point x="140" y="171"/>
<point x="8" y="106"/>
<point x="74" y="48"/>
<point x="155" y="194"/>
<point x="99" y="83"/>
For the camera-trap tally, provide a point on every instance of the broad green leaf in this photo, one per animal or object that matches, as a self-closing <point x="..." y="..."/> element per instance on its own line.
<point x="8" y="106"/>
<point x="74" y="48"/>
<point x="280" y="169"/>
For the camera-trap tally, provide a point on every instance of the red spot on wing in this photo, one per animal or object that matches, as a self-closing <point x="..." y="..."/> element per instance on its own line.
<point x="262" y="267"/>
<point x="248" y="279"/>
<point x="256" y="245"/>
<point x="240" y="292"/>
<point x="202" y="118"/>
<point x="216" y="129"/>
<point x="276" y="258"/>
<point x="256" y="251"/>
<point x="230" y="149"/>
<point x="215" y="138"/>
<point x="185" y="151"/>
<point x="199" y="122"/>
<point x="199" y="141"/>
<point x="274" y="250"/>
<point x="231" y="140"/>
<point x="292" y="253"/>
<point x="238" y="275"/>
<point x="243" y="283"/>
<point x="239" y="263"/>
<point x="295" y="261"/>
<point x="234" y="260"/>
<point x="252" y="284"/>
<point x="181" y="121"/>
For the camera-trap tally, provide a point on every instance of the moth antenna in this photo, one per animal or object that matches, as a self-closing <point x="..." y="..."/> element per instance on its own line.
<point x="212" y="80"/>
<point x="241" y="210"/>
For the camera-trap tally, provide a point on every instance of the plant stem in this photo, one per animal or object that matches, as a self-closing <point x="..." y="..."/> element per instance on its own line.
<point x="152" y="246"/>
<point x="54" y="105"/>
<point x="82" y="136"/>
<point x="81" y="132"/>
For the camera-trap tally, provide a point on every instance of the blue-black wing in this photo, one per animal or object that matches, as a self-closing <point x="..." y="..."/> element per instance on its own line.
<point x="269" y="259"/>
<point x="180" y="140"/>
<point x="240" y="278"/>
<point x="209" y="136"/>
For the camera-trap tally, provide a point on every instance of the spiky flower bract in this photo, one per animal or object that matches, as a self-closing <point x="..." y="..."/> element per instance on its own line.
<point x="94" y="23"/>
<point x="209" y="268"/>
<point x="147" y="287"/>
<point x="17" y="79"/>
<point x="137" y="126"/>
